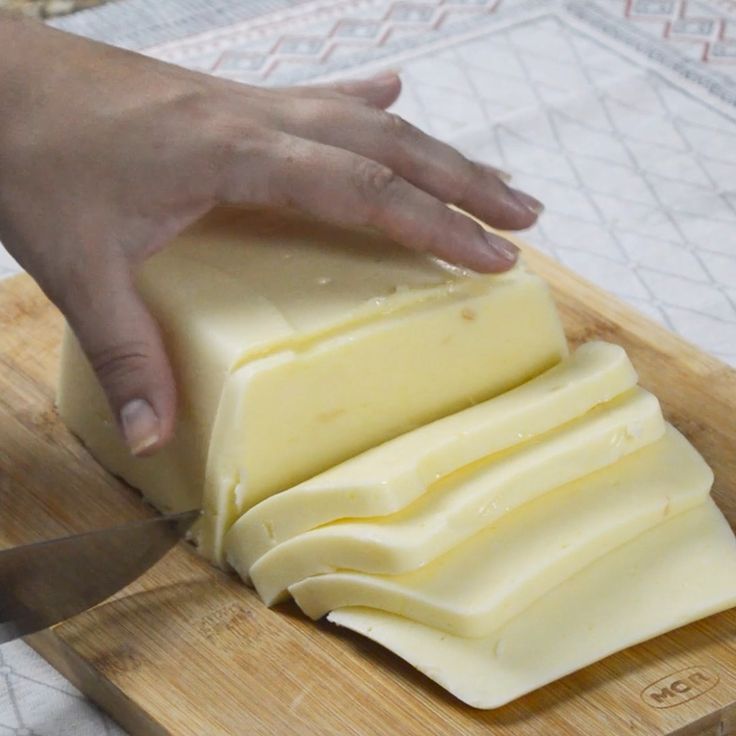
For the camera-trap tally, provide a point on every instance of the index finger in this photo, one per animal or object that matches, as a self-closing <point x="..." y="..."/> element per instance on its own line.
<point x="348" y="189"/>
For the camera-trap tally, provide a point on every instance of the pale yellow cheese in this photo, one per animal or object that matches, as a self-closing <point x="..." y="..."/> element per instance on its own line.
<point x="480" y="584"/>
<point x="464" y="502"/>
<point x="386" y="478"/>
<point x="679" y="571"/>
<point x="297" y="345"/>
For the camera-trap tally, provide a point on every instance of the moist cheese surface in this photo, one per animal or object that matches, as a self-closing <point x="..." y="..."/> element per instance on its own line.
<point x="480" y="584"/>
<point x="297" y="345"/>
<point x="386" y="478"/>
<point x="464" y="502"/>
<point x="678" y="571"/>
<point x="408" y="448"/>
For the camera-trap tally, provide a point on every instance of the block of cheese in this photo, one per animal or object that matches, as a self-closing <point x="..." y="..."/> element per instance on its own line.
<point x="679" y="571"/>
<point x="464" y="502"/>
<point x="479" y="585"/>
<point x="386" y="478"/>
<point x="297" y="345"/>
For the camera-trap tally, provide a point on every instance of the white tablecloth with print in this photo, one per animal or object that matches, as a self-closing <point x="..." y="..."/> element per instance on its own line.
<point x="619" y="114"/>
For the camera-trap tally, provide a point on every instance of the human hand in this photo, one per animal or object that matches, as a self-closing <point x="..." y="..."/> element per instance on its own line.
<point x="105" y="155"/>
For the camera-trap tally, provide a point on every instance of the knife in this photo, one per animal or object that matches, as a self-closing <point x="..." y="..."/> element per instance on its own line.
<point x="47" y="582"/>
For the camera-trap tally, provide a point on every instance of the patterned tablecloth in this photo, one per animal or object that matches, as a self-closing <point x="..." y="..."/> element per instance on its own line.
<point x="619" y="114"/>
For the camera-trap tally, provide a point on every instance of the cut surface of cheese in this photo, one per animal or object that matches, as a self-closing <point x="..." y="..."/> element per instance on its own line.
<point x="297" y="345"/>
<point x="386" y="478"/>
<point x="291" y="415"/>
<point x="483" y="582"/>
<point x="464" y="502"/>
<point x="679" y="571"/>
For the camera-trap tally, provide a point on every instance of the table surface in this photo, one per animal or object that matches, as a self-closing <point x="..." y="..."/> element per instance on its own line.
<point x="620" y="116"/>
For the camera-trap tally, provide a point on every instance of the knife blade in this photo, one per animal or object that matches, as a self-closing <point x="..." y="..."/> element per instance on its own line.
<point x="44" y="583"/>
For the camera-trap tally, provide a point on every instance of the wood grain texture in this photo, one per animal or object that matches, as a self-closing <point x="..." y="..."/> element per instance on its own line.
<point x="188" y="650"/>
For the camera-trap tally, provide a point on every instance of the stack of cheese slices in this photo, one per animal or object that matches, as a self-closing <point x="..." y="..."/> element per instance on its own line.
<point x="409" y="449"/>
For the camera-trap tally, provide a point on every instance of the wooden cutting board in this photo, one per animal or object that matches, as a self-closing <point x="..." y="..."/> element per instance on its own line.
<point x="188" y="650"/>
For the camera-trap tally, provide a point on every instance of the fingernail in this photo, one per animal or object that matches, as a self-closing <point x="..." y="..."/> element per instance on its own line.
<point x="531" y="203"/>
<point x="140" y="425"/>
<point x="507" y="250"/>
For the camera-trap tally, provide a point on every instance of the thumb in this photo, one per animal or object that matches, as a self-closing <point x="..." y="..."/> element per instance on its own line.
<point x="124" y="346"/>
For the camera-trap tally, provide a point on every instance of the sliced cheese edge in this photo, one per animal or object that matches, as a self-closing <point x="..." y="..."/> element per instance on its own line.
<point x="293" y="345"/>
<point x="312" y="344"/>
<point x="291" y="415"/>
<point x="483" y="582"/>
<point x="681" y="570"/>
<point x="386" y="478"/>
<point x="464" y="502"/>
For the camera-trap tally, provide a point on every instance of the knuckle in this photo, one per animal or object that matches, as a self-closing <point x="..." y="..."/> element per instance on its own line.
<point x="475" y="172"/>
<point x="395" y="126"/>
<point x="446" y="226"/>
<point x="327" y="112"/>
<point x="224" y="145"/>
<point x="468" y="177"/>
<point x="121" y="363"/>
<point x="195" y="103"/>
<point x="375" y="181"/>
<point x="235" y="152"/>
<point x="232" y="139"/>
<point x="324" y="109"/>
<point x="278" y="185"/>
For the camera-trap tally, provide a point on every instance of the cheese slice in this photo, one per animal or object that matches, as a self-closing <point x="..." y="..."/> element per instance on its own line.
<point x="297" y="345"/>
<point x="679" y="571"/>
<point x="464" y="502"/>
<point x="386" y="478"/>
<point x="480" y="584"/>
